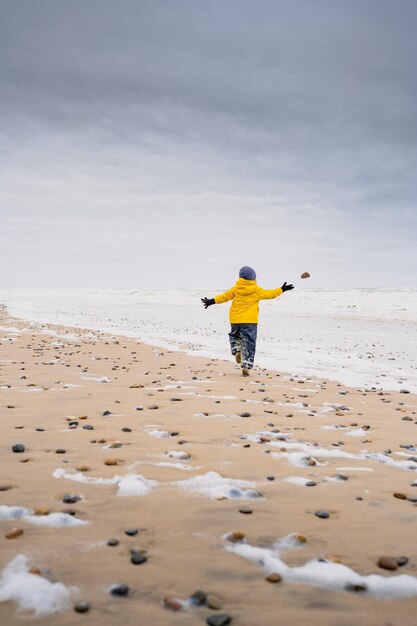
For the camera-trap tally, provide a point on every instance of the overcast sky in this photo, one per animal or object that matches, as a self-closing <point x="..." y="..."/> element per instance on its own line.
<point x="166" y="143"/>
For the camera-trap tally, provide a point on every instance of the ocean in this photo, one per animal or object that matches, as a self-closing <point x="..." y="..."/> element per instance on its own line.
<point x="359" y="337"/>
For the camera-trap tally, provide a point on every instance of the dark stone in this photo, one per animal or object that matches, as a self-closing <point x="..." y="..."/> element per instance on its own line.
<point x="131" y="532"/>
<point x="18" y="447"/>
<point x="70" y="498"/>
<point x="137" y="558"/>
<point x="246" y="510"/>
<point x="119" y="590"/>
<point x="113" y="541"/>
<point x="40" y="430"/>
<point x="82" y="607"/>
<point x="60" y="451"/>
<point x="199" y="598"/>
<point x="270" y="478"/>
<point x="402" y="560"/>
<point x="219" y="620"/>
<point x="106" y="413"/>
<point x="322" y="514"/>
<point x="311" y="483"/>
<point x="88" y="427"/>
<point x="126" y="430"/>
<point x="245" y="414"/>
<point x="357" y="588"/>
<point x="342" y="477"/>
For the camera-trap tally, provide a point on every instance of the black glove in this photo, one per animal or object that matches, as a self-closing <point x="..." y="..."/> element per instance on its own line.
<point x="286" y="287"/>
<point x="207" y="302"/>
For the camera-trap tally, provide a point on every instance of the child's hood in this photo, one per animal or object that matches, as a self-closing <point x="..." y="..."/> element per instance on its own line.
<point x="245" y="287"/>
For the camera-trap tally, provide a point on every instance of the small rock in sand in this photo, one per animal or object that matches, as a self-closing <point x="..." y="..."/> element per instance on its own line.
<point x="219" y="620"/>
<point x="113" y="541"/>
<point x="111" y="462"/>
<point x="13" y="533"/>
<point x="172" y="603"/>
<point x="119" y="590"/>
<point x="399" y="496"/>
<point x="274" y="578"/>
<point x="213" y="602"/>
<point x="81" y="607"/>
<point x="305" y="275"/>
<point x="387" y="562"/>
<point x="198" y="598"/>
<point x="322" y="514"/>
<point x="131" y="532"/>
<point x="246" y="510"/>
<point x="18" y="447"/>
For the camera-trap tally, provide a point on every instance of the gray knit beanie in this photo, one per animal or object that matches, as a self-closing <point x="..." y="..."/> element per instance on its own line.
<point x="248" y="273"/>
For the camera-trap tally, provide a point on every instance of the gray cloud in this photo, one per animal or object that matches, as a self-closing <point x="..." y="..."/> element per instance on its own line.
<point x="287" y="124"/>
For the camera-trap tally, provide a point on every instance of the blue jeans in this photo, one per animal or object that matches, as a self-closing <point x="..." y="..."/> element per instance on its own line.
<point x="243" y="339"/>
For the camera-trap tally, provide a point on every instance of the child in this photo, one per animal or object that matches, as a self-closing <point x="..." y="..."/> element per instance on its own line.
<point x="244" y="314"/>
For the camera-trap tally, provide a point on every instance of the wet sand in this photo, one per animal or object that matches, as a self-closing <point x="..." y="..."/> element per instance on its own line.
<point x="51" y="376"/>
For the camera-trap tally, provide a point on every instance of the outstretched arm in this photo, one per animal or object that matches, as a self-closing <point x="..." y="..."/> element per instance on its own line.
<point x="223" y="297"/>
<point x="269" y="294"/>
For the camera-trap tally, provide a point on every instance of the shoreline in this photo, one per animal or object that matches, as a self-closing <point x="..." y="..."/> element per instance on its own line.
<point x="367" y="344"/>
<point x="172" y="472"/>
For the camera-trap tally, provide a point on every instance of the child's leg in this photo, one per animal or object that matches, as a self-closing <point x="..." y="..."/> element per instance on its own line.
<point x="234" y="338"/>
<point x="248" y="333"/>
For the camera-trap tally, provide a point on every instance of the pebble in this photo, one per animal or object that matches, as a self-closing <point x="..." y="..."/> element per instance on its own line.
<point x="322" y="514"/>
<point x="88" y="427"/>
<point x="219" y="620"/>
<point x="119" y="590"/>
<point x="113" y="541"/>
<point x="131" y="532"/>
<point x="126" y="430"/>
<point x="82" y="468"/>
<point x="5" y="487"/>
<point x="106" y="413"/>
<point x="36" y="571"/>
<point x="402" y="560"/>
<point x="387" y="562"/>
<point x="357" y="588"/>
<point x="111" y="462"/>
<point x="199" y="598"/>
<point x="274" y="578"/>
<point x="237" y="535"/>
<point x="213" y="602"/>
<point x="154" y="407"/>
<point x="270" y="478"/>
<point x="13" y="533"/>
<point x="399" y="496"/>
<point x="60" y="451"/>
<point x="82" y="607"/>
<point x="246" y="510"/>
<point x="311" y="483"/>
<point x="18" y="447"/>
<point x="245" y="414"/>
<point x="41" y="510"/>
<point x="137" y="558"/>
<point x="71" y="498"/>
<point x="171" y="603"/>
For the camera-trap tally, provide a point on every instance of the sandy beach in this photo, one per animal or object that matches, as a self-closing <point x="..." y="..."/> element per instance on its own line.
<point x="220" y="482"/>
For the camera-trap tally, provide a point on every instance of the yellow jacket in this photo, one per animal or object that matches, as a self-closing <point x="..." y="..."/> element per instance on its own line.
<point x="246" y="295"/>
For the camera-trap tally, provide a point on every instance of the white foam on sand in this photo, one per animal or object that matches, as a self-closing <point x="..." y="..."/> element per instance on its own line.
<point x="160" y="434"/>
<point x="59" y="520"/>
<point x="357" y="433"/>
<point x="385" y="458"/>
<point x="101" y="379"/>
<point x="32" y="592"/>
<point x="355" y="469"/>
<point x="178" y="454"/>
<point x="128" y="485"/>
<point x="325" y="574"/>
<point x="214" y="486"/>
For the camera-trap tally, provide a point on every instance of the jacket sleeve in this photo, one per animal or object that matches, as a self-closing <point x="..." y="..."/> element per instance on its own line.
<point x="269" y="294"/>
<point x="225" y="297"/>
